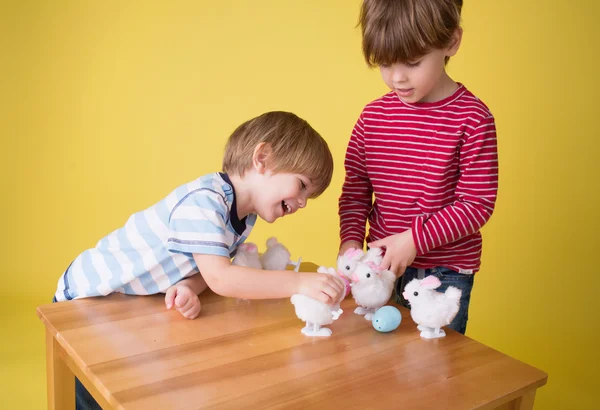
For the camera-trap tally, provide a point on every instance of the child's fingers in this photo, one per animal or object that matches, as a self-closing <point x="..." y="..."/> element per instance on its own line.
<point x="193" y="311"/>
<point x="170" y="297"/>
<point x="183" y="302"/>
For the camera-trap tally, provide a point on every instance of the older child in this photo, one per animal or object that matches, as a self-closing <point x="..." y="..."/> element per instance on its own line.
<point x="426" y="151"/>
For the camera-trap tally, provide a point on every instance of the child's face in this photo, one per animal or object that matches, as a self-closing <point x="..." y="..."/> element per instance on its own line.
<point x="281" y="194"/>
<point x="422" y="80"/>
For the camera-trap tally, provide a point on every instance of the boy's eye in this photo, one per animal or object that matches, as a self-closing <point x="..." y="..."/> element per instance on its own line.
<point x="412" y="64"/>
<point x="302" y="185"/>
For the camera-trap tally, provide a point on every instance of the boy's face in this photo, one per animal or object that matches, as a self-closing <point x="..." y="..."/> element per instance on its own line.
<point x="281" y="194"/>
<point x="423" y="80"/>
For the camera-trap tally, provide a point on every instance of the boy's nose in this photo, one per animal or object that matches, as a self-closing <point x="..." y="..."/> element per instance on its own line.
<point x="398" y="75"/>
<point x="301" y="203"/>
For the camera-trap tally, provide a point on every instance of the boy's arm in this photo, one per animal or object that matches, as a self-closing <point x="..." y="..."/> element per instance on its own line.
<point x="356" y="199"/>
<point x="247" y="283"/>
<point x="475" y="193"/>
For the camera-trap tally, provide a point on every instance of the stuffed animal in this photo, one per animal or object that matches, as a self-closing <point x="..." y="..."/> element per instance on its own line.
<point x="371" y="288"/>
<point x="316" y="314"/>
<point x="346" y="264"/>
<point x="429" y="308"/>
<point x="374" y="255"/>
<point x="247" y="255"/>
<point x="276" y="257"/>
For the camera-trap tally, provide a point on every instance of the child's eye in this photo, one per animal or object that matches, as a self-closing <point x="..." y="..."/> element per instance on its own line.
<point x="302" y="185"/>
<point x="412" y="64"/>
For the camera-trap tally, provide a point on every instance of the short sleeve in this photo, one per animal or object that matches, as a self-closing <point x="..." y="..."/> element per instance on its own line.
<point x="198" y="224"/>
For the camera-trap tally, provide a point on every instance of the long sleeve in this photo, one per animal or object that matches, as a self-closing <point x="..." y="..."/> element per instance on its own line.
<point x="475" y="194"/>
<point x="356" y="200"/>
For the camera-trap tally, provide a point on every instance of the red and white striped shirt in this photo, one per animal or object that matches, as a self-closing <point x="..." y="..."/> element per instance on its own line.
<point x="432" y="167"/>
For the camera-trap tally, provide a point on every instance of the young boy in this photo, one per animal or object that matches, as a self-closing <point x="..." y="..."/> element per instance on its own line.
<point x="272" y="165"/>
<point x="426" y="151"/>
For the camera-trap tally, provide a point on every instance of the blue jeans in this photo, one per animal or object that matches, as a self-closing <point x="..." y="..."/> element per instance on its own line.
<point x="83" y="398"/>
<point x="448" y="277"/>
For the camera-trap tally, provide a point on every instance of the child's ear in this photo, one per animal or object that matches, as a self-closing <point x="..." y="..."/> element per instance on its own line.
<point x="261" y="155"/>
<point x="455" y="44"/>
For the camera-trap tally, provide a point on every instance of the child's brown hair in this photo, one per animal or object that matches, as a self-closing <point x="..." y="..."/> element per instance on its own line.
<point x="293" y="145"/>
<point x="396" y="31"/>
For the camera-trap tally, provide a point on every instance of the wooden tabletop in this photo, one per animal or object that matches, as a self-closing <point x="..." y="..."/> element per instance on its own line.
<point x="241" y="354"/>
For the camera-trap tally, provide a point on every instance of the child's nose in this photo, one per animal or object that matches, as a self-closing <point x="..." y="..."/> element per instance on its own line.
<point x="398" y="75"/>
<point x="301" y="203"/>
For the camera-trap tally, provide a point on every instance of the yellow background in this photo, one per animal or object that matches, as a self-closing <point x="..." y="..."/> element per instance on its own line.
<point x="107" y="106"/>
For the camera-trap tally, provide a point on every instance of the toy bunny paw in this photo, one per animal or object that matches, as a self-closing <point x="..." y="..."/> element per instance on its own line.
<point x="336" y="314"/>
<point x="315" y="330"/>
<point x="360" y="310"/>
<point x="423" y="328"/>
<point x="369" y="316"/>
<point x="433" y="333"/>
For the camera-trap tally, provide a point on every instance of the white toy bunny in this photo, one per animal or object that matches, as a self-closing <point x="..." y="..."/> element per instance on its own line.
<point x="316" y="314"/>
<point x="374" y="255"/>
<point x="247" y="255"/>
<point x="429" y="308"/>
<point x="276" y="257"/>
<point x="371" y="288"/>
<point x="346" y="264"/>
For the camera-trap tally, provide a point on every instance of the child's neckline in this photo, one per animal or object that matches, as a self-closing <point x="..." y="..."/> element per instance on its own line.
<point x="437" y="104"/>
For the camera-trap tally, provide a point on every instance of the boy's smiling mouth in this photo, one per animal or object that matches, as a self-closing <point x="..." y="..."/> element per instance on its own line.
<point x="286" y="208"/>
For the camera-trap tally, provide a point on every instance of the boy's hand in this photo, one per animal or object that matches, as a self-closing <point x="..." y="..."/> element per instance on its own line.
<point x="400" y="251"/>
<point x="348" y="245"/>
<point x="184" y="299"/>
<point x="325" y="288"/>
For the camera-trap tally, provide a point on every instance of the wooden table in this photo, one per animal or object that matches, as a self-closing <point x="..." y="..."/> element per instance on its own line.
<point x="131" y="353"/>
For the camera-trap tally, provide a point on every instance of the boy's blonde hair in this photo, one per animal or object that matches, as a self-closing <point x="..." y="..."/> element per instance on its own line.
<point x="399" y="31"/>
<point x="293" y="147"/>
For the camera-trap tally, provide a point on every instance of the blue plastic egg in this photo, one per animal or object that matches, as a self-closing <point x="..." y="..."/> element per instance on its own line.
<point x="386" y="319"/>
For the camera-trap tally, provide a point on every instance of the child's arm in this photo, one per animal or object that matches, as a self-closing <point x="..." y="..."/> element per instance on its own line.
<point x="475" y="200"/>
<point x="247" y="283"/>
<point x="356" y="199"/>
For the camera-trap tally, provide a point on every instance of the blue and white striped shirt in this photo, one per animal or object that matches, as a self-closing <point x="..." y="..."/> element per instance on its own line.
<point x="154" y="249"/>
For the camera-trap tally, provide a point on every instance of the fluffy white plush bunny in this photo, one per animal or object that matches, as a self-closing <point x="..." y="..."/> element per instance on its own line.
<point x="374" y="255"/>
<point x="247" y="255"/>
<point x="276" y="257"/>
<point x="346" y="264"/>
<point x="316" y="314"/>
<point x="371" y="288"/>
<point x="429" y="308"/>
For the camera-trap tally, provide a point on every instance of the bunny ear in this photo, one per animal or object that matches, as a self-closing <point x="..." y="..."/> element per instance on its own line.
<point x="431" y="282"/>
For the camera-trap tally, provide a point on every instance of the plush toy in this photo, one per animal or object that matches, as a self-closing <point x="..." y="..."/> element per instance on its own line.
<point x="374" y="255"/>
<point x="316" y="314"/>
<point x="371" y="288"/>
<point x="346" y="264"/>
<point x="429" y="308"/>
<point x="276" y="257"/>
<point x="247" y="255"/>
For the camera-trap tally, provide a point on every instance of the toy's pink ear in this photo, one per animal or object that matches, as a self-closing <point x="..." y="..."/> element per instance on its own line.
<point x="431" y="282"/>
<point x="349" y="252"/>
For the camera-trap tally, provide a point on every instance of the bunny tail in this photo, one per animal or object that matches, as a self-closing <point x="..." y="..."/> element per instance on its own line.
<point x="453" y="293"/>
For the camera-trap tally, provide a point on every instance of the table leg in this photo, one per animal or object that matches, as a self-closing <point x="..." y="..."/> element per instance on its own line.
<point x="525" y="402"/>
<point x="60" y="379"/>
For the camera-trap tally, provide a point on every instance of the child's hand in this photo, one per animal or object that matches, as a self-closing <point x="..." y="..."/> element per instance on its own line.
<point x="325" y="288"/>
<point x="184" y="299"/>
<point x="400" y="251"/>
<point x="348" y="245"/>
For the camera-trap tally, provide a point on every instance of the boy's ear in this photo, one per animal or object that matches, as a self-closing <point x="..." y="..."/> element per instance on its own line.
<point x="260" y="157"/>
<point x="455" y="44"/>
